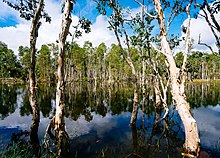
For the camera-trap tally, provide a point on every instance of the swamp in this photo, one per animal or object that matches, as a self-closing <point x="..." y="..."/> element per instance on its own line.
<point x="97" y="119"/>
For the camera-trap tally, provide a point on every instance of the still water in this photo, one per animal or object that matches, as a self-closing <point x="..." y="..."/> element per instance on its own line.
<point x="97" y="119"/>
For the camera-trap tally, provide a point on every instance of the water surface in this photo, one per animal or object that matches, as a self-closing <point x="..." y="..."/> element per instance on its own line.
<point x="97" y="119"/>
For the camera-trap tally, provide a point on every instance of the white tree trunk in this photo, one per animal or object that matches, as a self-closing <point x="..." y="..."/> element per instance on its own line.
<point x="190" y="126"/>
<point x="60" y="133"/>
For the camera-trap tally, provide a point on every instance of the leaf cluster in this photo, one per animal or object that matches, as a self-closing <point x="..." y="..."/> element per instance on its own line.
<point x="27" y="9"/>
<point x="83" y="25"/>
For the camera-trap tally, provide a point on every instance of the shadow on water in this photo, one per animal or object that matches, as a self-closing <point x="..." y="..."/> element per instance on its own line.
<point x="97" y="119"/>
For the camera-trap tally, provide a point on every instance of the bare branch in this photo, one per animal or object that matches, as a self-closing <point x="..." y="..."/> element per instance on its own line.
<point x="186" y="52"/>
<point x="145" y="11"/>
<point x="200" y="43"/>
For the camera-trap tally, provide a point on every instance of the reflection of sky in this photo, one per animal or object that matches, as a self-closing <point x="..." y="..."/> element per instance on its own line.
<point x="208" y="121"/>
<point x="113" y="128"/>
<point x="98" y="123"/>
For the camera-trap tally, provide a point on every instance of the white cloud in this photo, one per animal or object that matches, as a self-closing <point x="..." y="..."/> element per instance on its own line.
<point x="15" y="36"/>
<point x="200" y="27"/>
<point x="100" y="33"/>
<point x="4" y="11"/>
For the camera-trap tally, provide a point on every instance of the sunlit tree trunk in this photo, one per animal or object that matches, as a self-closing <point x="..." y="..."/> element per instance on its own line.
<point x="60" y="133"/>
<point x="191" y="130"/>
<point x="185" y="54"/>
<point x="32" y="81"/>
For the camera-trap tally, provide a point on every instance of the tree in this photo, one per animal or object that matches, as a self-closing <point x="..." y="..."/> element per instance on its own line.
<point x="24" y="58"/>
<point x="34" y="11"/>
<point x="61" y="135"/>
<point x="44" y="61"/>
<point x="101" y="53"/>
<point x="191" y="132"/>
<point x="10" y="67"/>
<point x="117" y="24"/>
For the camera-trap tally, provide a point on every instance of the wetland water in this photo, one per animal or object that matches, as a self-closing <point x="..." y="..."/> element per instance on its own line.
<point x="97" y="120"/>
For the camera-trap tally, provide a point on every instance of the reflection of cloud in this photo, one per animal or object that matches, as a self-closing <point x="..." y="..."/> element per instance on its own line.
<point x="99" y="123"/>
<point x="208" y="123"/>
<point x="215" y="108"/>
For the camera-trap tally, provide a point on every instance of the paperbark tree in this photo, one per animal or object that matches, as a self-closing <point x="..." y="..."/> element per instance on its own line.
<point x="117" y="25"/>
<point x="32" y="81"/>
<point x="191" y="131"/>
<point x="61" y="135"/>
<point x="32" y="10"/>
<point x="183" y="74"/>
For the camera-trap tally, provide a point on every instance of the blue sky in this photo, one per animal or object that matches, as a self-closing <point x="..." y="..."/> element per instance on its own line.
<point x="14" y="31"/>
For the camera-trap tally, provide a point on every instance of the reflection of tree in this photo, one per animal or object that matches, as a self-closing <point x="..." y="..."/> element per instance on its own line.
<point x="8" y="98"/>
<point x="83" y="101"/>
<point x="203" y="94"/>
<point x="163" y="138"/>
<point x="25" y="108"/>
<point x="46" y="95"/>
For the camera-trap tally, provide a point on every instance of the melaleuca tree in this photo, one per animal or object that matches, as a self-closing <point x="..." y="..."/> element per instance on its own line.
<point x="32" y="10"/>
<point x="101" y="68"/>
<point x="24" y="58"/>
<point x="191" y="131"/>
<point x="117" y="23"/>
<point x="58" y="122"/>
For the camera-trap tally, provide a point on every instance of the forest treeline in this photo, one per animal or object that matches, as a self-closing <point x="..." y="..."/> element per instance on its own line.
<point x="101" y="63"/>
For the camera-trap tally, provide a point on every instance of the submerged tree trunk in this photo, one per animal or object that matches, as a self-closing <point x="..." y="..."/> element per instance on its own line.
<point x="32" y="81"/>
<point x="135" y="103"/>
<point x="60" y="133"/>
<point x="191" y="132"/>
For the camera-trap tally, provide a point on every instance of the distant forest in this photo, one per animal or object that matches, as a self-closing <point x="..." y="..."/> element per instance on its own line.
<point x="100" y="63"/>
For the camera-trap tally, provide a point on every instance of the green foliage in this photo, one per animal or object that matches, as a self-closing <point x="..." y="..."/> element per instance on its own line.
<point x="44" y="64"/>
<point x="9" y="65"/>
<point x="82" y="26"/>
<point x="27" y="9"/>
<point x="201" y="65"/>
<point x="24" y="57"/>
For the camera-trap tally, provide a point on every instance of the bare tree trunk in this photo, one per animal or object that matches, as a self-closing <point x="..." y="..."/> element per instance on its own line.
<point x="60" y="133"/>
<point x="32" y="81"/>
<point x="187" y="51"/>
<point x="143" y="80"/>
<point x="157" y="93"/>
<point x="135" y="104"/>
<point x="191" y="132"/>
<point x="128" y="59"/>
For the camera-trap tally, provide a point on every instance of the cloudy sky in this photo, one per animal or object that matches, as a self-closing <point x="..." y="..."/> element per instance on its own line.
<point x="14" y="31"/>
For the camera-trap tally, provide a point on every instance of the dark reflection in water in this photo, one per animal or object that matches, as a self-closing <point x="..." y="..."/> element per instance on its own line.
<point x="97" y="119"/>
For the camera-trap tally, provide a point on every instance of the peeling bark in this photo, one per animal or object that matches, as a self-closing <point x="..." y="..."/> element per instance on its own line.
<point x="32" y="81"/>
<point x="60" y="133"/>
<point x="191" y="131"/>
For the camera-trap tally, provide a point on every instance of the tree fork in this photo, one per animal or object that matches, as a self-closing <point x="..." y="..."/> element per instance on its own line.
<point x="191" y="131"/>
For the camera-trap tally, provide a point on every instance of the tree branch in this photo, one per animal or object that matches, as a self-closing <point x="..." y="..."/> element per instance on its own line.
<point x="200" y="43"/>
<point x="145" y="11"/>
